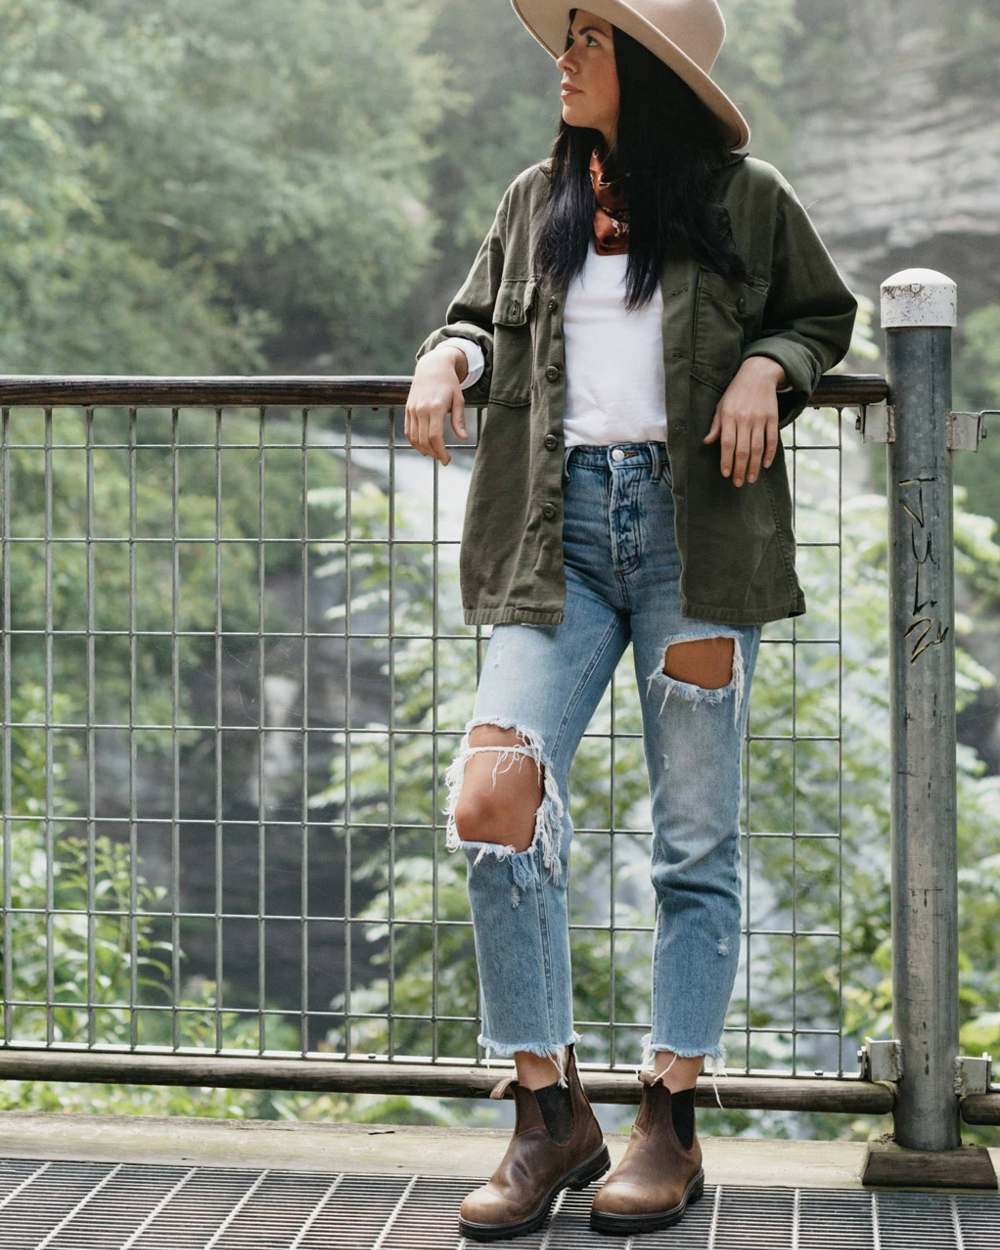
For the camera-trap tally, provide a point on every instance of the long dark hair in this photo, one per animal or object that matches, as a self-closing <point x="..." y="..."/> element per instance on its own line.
<point x="669" y="145"/>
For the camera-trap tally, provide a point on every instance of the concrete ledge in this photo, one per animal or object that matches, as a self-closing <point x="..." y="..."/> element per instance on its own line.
<point x="410" y="1149"/>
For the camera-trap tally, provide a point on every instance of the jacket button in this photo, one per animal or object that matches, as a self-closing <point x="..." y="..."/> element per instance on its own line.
<point x="553" y="305"/>
<point x="741" y="304"/>
<point x="552" y="373"/>
<point x="549" y="511"/>
<point x="551" y="441"/>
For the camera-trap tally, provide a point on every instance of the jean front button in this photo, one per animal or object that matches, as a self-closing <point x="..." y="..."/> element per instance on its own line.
<point x="617" y="454"/>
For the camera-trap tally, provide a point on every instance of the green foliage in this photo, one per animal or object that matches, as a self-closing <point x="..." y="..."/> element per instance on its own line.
<point x="178" y="488"/>
<point x="210" y="177"/>
<point x="977" y="387"/>
<point x="83" y="933"/>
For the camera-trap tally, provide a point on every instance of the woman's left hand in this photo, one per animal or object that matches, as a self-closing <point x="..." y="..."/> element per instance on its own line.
<point x="746" y="419"/>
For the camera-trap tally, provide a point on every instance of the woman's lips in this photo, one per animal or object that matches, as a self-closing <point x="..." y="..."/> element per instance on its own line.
<point x="569" y="91"/>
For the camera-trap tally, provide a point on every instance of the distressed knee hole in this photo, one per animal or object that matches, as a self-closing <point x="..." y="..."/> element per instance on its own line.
<point x="493" y="817"/>
<point x="498" y="811"/>
<point x="705" y="662"/>
<point x="702" y="669"/>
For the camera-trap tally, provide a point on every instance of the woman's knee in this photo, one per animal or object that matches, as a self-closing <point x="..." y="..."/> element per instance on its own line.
<point x="501" y="791"/>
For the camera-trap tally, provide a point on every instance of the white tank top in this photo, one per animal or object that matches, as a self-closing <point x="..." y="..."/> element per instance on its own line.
<point x="615" y="385"/>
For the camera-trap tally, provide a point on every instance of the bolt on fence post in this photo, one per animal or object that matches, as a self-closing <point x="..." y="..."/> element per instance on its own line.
<point x="918" y="310"/>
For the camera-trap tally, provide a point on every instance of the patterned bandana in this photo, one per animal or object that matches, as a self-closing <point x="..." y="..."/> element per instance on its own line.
<point x="611" y="217"/>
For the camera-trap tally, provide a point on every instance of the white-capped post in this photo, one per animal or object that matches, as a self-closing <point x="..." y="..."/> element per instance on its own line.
<point x="918" y="309"/>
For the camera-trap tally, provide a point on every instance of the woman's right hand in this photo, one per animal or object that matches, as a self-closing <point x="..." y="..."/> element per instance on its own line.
<point x="435" y="391"/>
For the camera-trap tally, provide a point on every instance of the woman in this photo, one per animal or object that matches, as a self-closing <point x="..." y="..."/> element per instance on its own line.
<point x="648" y="309"/>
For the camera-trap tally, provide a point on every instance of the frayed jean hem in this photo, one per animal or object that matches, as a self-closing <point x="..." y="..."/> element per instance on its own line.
<point x="716" y="1052"/>
<point x="545" y="1050"/>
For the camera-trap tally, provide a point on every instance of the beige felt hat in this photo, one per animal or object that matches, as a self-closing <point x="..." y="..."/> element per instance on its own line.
<point x="686" y="34"/>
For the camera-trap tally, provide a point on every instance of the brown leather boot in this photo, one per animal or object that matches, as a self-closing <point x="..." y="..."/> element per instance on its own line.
<point x="657" y="1176"/>
<point x="536" y="1165"/>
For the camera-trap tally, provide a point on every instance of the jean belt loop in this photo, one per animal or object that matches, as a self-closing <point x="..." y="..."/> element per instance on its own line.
<point x="565" y="472"/>
<point x="657" y="461"/>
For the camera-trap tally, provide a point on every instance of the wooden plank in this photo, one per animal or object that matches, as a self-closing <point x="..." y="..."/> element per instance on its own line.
<point x="969" y="1167"/>
<point x="298" y="390"/>
<point x="848" y="1094"/>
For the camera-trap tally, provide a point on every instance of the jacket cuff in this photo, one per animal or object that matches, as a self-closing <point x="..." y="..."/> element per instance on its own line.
<point x="799" y="363"/>
<point x="801" y="372"/>
<point x="468" y="337"/>
<point x="477" y="361"/>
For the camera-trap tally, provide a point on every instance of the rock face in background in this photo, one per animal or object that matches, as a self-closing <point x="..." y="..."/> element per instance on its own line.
<point x="897" y="154"/>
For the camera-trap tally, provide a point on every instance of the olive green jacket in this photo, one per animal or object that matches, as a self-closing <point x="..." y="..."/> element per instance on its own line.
<point x="736" y="543"/>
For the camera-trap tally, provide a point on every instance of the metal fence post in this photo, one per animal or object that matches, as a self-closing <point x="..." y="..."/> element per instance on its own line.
<point x="918" y="309"/>
<point x="921" y="1060"/>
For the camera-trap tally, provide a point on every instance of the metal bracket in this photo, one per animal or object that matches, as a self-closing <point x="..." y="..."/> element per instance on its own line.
<point x="876" y="423"/>
<point x="881" y="1059"/>
<point x="973" y="1075"/>
<point x="966" y="430"/>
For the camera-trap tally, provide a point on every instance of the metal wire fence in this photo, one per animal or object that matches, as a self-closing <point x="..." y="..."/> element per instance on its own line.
<point x="234" y="671"/>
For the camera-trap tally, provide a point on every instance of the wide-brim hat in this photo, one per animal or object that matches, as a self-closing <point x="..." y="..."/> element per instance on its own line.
<point x="686" y="34"/>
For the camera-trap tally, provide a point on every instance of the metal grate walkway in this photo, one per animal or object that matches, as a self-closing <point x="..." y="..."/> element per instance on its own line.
<point x="73" y="1205"/>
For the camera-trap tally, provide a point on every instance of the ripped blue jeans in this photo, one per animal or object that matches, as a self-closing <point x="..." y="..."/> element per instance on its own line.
<point x="545" y="682"/>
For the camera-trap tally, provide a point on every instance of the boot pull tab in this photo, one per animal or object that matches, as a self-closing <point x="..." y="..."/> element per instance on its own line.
<point x="500" y="1089"/>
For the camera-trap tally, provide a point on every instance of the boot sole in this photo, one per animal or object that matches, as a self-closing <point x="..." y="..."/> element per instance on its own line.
<point x="578" y="1178"/>
<point x="622" y="1223"/>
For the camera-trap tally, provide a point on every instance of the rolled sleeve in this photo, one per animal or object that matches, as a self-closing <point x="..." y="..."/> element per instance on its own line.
<point x="809" y="315"/>
<point x="469" y="316"/>
<point x="477" y="361"/>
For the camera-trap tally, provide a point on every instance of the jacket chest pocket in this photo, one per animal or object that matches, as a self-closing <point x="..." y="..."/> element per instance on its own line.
<point x="513" y="317"/>
<point x="728" y="313"/>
